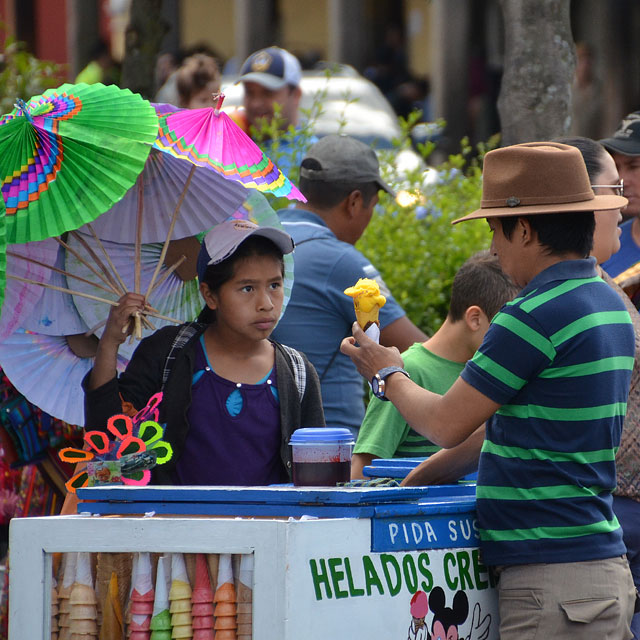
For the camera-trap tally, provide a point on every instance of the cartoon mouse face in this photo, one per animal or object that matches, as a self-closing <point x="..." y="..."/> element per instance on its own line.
<point x="446" y="620"/>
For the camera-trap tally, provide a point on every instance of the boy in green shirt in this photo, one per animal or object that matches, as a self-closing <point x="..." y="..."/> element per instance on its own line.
<point x="479" y="290"/>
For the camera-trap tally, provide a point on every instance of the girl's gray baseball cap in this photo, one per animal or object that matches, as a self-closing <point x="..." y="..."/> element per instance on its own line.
<point x="222" y="241"/>
<point x="342" y="158"/>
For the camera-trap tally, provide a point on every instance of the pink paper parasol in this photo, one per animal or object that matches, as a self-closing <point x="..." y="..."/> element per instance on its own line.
<point x="210" y="138"/>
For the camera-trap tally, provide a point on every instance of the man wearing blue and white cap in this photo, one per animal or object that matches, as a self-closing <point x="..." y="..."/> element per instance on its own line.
<point x="270" y="76"/>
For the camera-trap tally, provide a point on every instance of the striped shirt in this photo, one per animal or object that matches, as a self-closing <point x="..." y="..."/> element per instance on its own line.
<point x="558" y="360"/>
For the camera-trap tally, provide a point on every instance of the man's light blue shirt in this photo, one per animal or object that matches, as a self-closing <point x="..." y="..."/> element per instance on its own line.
<point x="319" y="314"/>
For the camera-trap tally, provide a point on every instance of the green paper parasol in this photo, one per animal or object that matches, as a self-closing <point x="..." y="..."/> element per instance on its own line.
<point x="68" y="155"/>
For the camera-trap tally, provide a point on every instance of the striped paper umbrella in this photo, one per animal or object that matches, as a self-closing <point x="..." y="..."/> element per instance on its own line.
<point x="68" y="155"/>
<point x="209" y="137"/>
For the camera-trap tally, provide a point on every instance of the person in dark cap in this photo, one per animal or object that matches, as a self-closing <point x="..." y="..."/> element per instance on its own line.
<point x="340" y="178"/>
<point x="624" y="146"/>
<point x="551" y="380"/>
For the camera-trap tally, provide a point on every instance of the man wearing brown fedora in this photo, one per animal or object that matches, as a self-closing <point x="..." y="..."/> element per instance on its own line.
<point x="551" y="380"/>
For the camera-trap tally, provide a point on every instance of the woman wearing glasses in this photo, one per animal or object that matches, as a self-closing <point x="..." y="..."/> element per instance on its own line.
<point x="606" y="241"/>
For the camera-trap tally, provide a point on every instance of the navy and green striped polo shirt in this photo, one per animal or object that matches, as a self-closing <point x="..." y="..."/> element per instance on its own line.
<point x="558" y="360"/>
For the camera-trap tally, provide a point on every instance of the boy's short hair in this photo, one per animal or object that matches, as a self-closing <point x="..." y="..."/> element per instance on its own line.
<point x="480" y="282"/>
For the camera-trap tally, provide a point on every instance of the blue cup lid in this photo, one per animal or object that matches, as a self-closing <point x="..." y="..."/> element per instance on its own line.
<point x="322" y="435"/>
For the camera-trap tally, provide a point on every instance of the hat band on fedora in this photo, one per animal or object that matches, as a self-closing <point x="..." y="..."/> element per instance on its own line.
<point x="524" y="201"/>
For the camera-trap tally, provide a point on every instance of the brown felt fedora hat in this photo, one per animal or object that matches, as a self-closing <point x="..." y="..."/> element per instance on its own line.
<point x="537" y="177"/>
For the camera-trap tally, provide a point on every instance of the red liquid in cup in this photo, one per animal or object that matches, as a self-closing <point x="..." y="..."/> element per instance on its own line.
<point x="321" y="474"/>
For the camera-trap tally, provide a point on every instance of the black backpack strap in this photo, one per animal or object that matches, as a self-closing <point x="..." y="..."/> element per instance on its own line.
<point x="186" y="333"/>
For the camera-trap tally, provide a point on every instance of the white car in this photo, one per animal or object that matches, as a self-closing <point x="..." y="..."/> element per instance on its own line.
<point x="349" y="103"/>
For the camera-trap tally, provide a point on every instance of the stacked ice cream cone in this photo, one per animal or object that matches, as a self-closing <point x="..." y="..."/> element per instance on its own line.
<point x="245" y="598"/>
<point x="142" y="597"/>
<point x="161" y="619"/>
<point x="83" y="611"/>
<point x="54" y="610"/>
<point x="225" y="601"/>
<point x="68" y="578"/>
<point x="180" y="599"/>
<point x="202" y="600"/>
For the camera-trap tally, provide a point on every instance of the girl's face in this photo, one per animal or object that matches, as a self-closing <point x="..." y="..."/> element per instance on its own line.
<point x="248" y="305"/>
<point x="606" y="238"/>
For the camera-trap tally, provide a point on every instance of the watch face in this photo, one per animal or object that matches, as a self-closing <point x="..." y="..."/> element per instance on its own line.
<point x="375" y="386"/>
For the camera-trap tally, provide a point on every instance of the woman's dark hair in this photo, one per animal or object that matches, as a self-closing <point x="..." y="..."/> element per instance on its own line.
<point x="217" y="274"/>
<point x="560" y="233"/>
<point x="592" y="153"/>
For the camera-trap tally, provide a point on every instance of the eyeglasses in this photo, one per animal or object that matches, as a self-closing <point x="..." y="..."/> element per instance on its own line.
<point x="618" y="188"/>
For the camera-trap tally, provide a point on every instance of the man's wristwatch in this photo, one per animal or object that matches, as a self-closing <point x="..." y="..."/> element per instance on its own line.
<point x="378" y="384"/>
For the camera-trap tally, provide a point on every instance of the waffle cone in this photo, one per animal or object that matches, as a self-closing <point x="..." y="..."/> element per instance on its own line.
<point x="83" y="626"/>
<point x="82" y="594"/>
<point x="83" y="612"/>
<point x="367" y="318"/>
<point x="244" y="618"/>
<point x="244" y="593"/>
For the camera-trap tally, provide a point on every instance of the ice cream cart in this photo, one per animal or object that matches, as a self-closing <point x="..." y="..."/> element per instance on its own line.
<point x="325" y="562"/>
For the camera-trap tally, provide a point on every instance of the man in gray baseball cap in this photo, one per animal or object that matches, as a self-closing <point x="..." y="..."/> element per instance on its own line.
<point x="340" y="177"/>
<point x="624" y="146"/>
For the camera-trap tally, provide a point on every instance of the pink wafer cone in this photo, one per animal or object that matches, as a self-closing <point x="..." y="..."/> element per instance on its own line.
<point x="202" y="622"/>
<point x="203" y="634"/>
<point x="139" y="635"/>
<point x="142" y="608"/>
<point x="142" y="580"/>
<point x="202" y="591"/>
<point x="202" y="609"/>
<point x="141" y="626"/>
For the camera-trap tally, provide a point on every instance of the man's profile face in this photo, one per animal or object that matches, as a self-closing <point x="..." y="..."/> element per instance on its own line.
<point x="629" y="170"/>
<point x="259" y="104"/>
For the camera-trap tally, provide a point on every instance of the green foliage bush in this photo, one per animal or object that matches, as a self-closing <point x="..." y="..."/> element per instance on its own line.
<point x="415" y="247"/>
<point x="22" y="75"/>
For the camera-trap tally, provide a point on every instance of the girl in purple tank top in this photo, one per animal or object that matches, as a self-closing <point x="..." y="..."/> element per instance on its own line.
<point x="234" y="425"/>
